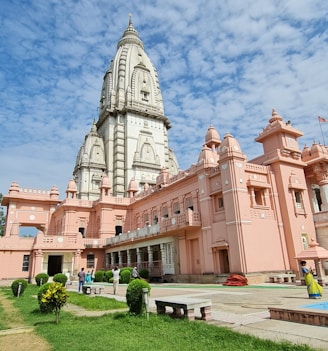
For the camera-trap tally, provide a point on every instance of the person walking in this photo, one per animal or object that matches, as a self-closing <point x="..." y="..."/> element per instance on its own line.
<point x="116" y="279"/>
<point x="81" y="276"/>
<point x="88" y="278"/>
<point x="313" y="288"/>
<point x="135" y="273"/>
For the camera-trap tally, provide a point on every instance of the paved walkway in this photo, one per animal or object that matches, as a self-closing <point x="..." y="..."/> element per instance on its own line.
<point x="245" y="309"/>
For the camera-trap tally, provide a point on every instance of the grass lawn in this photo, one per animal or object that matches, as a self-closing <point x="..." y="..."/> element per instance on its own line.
<point x="120" y="331"/>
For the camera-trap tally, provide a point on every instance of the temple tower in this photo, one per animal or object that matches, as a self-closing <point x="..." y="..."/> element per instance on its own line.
<point x="131" y="121"/>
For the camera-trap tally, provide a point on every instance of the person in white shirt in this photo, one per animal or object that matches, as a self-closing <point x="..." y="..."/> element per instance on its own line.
<point x="135" y="273"/>
<point x="116" y="279"/>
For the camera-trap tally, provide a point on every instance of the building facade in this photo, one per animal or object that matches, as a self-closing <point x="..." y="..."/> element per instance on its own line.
<point x="129" y="204"/>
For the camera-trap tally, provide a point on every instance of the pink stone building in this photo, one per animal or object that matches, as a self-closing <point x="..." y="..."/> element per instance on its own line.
<point x="130" y="205"/>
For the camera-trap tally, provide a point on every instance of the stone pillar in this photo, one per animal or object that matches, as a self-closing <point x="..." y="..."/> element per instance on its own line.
<point x="112" y="259"/>
<point x="320" y="272"/>
<point x="195" y="201"/>
<point x="253" y="201"/>
<point x="324" y="194"/>
<point x="77" y="261"/>
<point x="301" y="273"/>
<point x="315" y="201"/>
<point x="38" y="261"/>
<point x="163" y="257"/>
<point x="138" y="256"/>
<point x="120" y="258"/>
<point x="128" y="253"/>
<point x="150" y="259"/>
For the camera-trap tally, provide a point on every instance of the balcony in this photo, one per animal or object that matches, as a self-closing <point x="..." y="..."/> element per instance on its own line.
<point x="64" y="242"/>
<point x="94" y="243"/>
<point x="188" y="219"/>
<point x="140" y="233"/>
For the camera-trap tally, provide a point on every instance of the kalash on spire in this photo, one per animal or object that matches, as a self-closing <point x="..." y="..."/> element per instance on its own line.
<point x="131" y="137"/>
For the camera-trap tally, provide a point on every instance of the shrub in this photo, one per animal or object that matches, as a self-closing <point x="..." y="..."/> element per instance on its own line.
<point x="41" y="279"/>
<point x="144" y="273"/>
<point x="134" y="295"/>
<point x="15" y="287"/>
<point x="109" y="276"/>
<point x="60" y="278"/>
<point x="43" y="307"/>
<point x="125" y="276"/>
<point x="55" y="298"/>
<point x="100" y="276"/>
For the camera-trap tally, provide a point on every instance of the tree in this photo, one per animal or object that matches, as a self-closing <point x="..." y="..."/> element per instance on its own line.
<point x="55" y="298"/>
<point x="2" y="218"/>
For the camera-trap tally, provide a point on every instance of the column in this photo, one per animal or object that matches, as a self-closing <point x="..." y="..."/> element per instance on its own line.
<point x="37" y="264"/>
<point x="120" y="259"/>
<point x="112" y="259"/>
<point x="138" y="256"/>
<point x="320" y="272"/>
<point x="315" y="201"/>
<point x="77" y="261"/>
<point x="163" y="257"/>
<point x="150" y="259"/>
<point x="128" y="253"/>
<point x="324" y="194"/>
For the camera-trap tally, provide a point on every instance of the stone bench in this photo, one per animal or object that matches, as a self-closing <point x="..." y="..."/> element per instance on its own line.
<point x="88" y="289"/>
<point x="187" y="305"/>
<point x="280" y="278"/>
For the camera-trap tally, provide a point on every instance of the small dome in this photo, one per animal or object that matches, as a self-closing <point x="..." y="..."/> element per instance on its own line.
<point x="71" y="187"/>
<point x="105" y="182"/>
<point x="54" y="190"/>
<point x="229" y="143"/>
<point x="306" y="153"/>
<point x="275" y="116"/>
<point x="14" y="187"/>
<point x="93" y="128"/>
<point x="207" y="157"/>
<point x="133" y="186"/>
<point x="318" y="150"/>
<point x="130" y="36"/>
<point x="212" y="137"/>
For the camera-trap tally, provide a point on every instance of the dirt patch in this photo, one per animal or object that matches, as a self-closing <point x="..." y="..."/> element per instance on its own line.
<point x="18" y="336"/>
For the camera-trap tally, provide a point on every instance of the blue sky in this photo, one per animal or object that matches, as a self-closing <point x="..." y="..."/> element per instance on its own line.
<point x="220" y="62"/>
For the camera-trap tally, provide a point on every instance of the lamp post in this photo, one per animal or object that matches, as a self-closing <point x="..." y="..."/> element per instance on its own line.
<point x="19" y="289"/>
<point x="146" y="300"/>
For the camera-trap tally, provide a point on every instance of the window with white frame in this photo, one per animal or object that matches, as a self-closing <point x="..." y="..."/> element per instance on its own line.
<point x="298" y="199"/>
<point x="90" y="261"/>
<point x="26" y="263"/>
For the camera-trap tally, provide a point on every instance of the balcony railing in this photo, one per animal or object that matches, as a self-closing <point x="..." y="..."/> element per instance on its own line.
<point x="134" y="234"/>
<point x="94" y="243"/>
<point x="187" y="219"/>
<point x="57" y="241"/>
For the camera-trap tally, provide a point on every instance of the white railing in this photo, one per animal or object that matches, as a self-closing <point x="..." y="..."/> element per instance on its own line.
<point x="134" y="234"/>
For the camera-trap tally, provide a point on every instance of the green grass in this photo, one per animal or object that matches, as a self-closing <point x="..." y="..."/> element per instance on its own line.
<point x="95" y="303"/>
<point x="2" y="320"/>
<point x="120" y="331"/>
